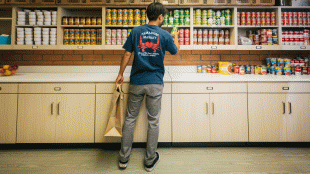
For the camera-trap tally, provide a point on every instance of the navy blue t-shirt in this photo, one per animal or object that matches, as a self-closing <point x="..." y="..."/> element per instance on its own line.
<point x="149" y="44"/>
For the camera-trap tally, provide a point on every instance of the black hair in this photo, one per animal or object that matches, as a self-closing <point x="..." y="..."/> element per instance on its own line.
<point x="154" y="10"/>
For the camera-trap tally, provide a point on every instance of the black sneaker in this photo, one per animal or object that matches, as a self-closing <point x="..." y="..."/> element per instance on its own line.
<point x="151" y="167"/>
<point x="122" y="165"/>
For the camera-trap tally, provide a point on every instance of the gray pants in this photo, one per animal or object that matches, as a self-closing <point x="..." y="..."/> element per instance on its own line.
<point x="153" y="94"/>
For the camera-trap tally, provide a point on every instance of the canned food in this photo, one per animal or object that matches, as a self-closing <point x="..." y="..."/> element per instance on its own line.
<point x="287" y="62"/>
<point x="272" y="70"/>
<point x="298" y="70"/>
<point x="280" y="62"/>
<point x="263" y="70"/>
<point x="187" y="33"/>
<point x="181" y="41"/>
<point x="204" y="68"/>
<point x="66" y="32"/>
<point x="94" y="21"/>
<point x="199" y="68"/>
<point x="83" y="21"/>
<point x="278" y="70"/>
<point x="287" y="71"/>
<point x="236" y="69"/>
<point x="213" y="69"/>
<point x="76" y="21"/>
<point x="241" y="70"/>
<point x="88" y="21"/>
<point x="257" y="70"/>
<point x="71" y="41"/>
<point x="99" y="21"/>
<point x="124" y="33"/>
<point x="76" y="41"/>
<point x="108" y="41"/>
<point x="64" y="20"/>
<point x="187" y="41"/>
<point x="66" y="41"/>
<point x="76" y="32"/>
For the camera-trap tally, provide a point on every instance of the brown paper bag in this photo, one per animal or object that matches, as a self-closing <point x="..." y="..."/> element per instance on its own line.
<point x="115" y="123"/>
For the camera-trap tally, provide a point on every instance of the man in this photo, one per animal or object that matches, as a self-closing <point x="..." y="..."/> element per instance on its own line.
<point x="149" y="44"/>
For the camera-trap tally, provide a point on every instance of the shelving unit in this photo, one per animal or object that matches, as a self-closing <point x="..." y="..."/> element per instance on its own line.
<point x="8" y="17"/>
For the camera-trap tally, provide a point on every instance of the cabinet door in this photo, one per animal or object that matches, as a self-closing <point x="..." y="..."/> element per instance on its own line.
<point x="298" y="117"/>
<point x="228" y="118"/>
<point x="75" y="118"/>
<point x="36" y="118"/>
<point x="267" y="118"/>
<point x="190" y="118"/>
<point x="8" y="115"/>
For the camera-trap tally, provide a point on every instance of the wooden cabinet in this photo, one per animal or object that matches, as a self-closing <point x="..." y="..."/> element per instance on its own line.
<point x="51" y="113"/>
<point x="298" y="117"/>
<point x="267" y="121"/>
<point x="103" y="103"/>
<point x="212" y="112"/>
<point x="36" y="118"/>
<point x="228" y="117"/>
<point x="8" y="115"/>
<point x="190" y="118"/>
<point x="279" y="112"/>
<point x="56" y="118"/>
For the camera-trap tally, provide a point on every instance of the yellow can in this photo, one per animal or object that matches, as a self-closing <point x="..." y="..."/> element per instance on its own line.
<point x="77" y="41"/>
<point x="130" y="21"/>
<point x="119" y="13"/>
<point x="93" y="41"/>
<point x="137" y="12"/>
<point x="258" y="70"/>
<point x="93" y="33"/>
<point x="76" y="32"/>
<point x="87" y="32"/>
<point x="114" y="21"/>
<point x="119" y="21"/>
<point x="66" y="32"/>
<point x="87" y="41"/>
<point x="88" y="21"/>
<point x="94" y="21"/>
<point x="66" y="41"/>
<point x="82" y="40"/>
<point x="71" y="41"/>
<point x="108" y="21"/>
<point x="99" y="21"/>
<point x="82" y="32"/>
<point x="82" y="21"/>
<point x="71" y="33"/>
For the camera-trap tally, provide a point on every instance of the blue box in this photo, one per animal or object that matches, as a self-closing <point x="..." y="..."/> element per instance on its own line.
<point x="5" y="40"/>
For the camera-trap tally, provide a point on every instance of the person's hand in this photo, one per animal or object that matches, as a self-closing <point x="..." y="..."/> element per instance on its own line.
<point x="119" y="79"/>
<point x="176" y="35"/>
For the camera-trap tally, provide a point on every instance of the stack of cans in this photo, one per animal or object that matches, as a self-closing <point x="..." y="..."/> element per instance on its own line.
<point x="117" y="36"/>
<point x="82" y="36"/>
<point x="125" y="16"/>
<point x="211" y="37"/>
<point x="284" y="66"/>
<point x="212" y="17"/>
<point x="295" y="37"/>
<point x="295" y="18"/>
<point x="184" y="36"/>
<point x="177" y="17"/>
<point x="264" y="36"/>
<point x="256" y="18"/>
<point x="207" y="68"/>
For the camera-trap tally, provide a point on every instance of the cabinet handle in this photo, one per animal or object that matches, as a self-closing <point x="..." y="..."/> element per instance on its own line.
<point x="57" y="88"/>
<point x="209" y="88"/>
<point x="283" y="107"/>
<point x="52" y="106"/>
<point x="212" y="108"/>
<point x="207" y="108"/>
<point x="286" y="88"/>
<point x="58" y="108"/>
<point x="290" y="107"/>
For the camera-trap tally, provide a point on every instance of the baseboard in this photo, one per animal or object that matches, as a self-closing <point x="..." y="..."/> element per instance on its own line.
<point x="116" y="146"/>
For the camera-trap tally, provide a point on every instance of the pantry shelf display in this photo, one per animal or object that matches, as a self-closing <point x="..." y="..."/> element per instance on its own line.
<point x="295" y="18"/>
<point x="177" y="17"/>
<point x="82" y="37"/>
<point x="299" y="37"/>
<point x="125" y="17"/>
<point x="212" y="17"/>
<point x="274" y="66"/>
<point x="260" y="37"/>
<point x="36" y="17"/>
<point x="116" y="36"/>
<point x="211" y="37"/>
<point x="256" y="18"/>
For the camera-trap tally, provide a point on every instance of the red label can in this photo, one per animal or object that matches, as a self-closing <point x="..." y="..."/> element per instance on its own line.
<point x="181" y="41"/>
<point x="187" y="33"/>
<point x="308" y="70"/>
<point x="181" y="33"/>
<point x="268" y="22"/>
<point x="187" y="41"/>
<point x="242" y="15"/>
<point x="236" y="69"/>
<point x="253" y="21"/>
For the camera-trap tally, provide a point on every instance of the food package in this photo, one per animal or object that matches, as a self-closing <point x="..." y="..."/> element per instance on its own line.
<point x="225" y="68"/>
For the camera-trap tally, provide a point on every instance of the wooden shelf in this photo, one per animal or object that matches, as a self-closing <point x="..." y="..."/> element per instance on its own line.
<point x="2" y="19"/>
<point x="121" y="26"/>
<point x="180" y="26"/>
<point x="214" y="26"/>
<point x="254" y="26"/>
<point x="6" y="47"/>
<point x="305" y="26"/>
<point x="295" y="47"/>
<point x="258" y="47"/>
<point x="36" y="26"/>
<point x="82" y="26"/>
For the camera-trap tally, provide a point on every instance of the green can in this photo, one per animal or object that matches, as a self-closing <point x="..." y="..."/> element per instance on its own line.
<point x="176" y="14"/>
<point x="227" y="13"/>
<point x="204" y="13"/>
<point x="187" y="21"/>
<point x="170" y="18"/>
<point x="181" y="21"/>
<point x="227" y="21"/>
<point x="176" y="21"/>
<point x="210" y="13"/>
<point x="187" y="13"/>
<point x="181" y="13"/>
